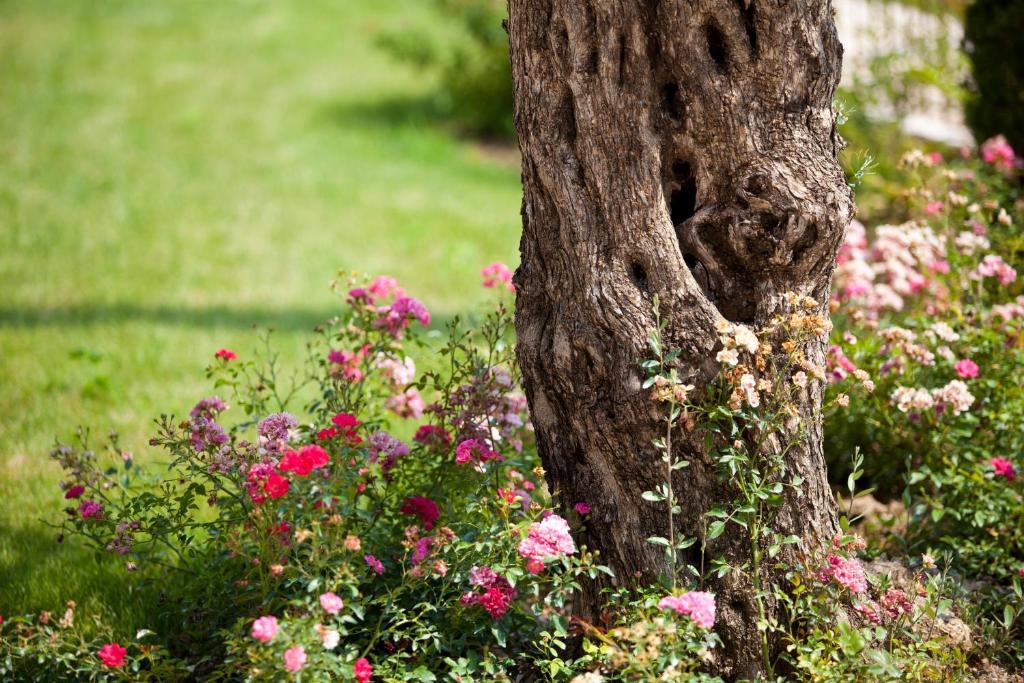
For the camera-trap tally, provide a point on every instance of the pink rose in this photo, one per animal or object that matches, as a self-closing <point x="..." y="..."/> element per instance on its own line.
<point x="295" y="658"/>
<point x="331" y="603"/>
<point x="966" y="368"/>
<point x="264" y="629"/>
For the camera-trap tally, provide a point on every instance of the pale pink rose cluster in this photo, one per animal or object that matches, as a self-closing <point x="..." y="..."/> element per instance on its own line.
<point x="546" y="540"/>
<point x="734" y="340"/>
<point x="698" y="605"/>
<point x="954" y="397"/>
<point x="897" y="264"/>
<point x="994" y="266"/>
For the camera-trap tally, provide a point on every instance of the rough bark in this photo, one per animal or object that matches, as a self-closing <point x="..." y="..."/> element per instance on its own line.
<point x="684" y="149"/>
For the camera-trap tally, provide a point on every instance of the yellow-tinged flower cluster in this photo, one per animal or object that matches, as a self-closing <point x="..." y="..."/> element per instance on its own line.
<point x="670" y="389"/>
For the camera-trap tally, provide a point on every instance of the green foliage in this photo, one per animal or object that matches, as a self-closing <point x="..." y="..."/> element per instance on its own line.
<point x="992" y="40"/>
<point x="890" y="644"/>
<point x="471" y="61"/>
<point x="928" y="320"/>
<point x="241" y="526"/>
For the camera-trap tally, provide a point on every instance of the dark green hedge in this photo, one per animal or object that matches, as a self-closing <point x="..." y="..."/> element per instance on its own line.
<point x="994" y="41"/>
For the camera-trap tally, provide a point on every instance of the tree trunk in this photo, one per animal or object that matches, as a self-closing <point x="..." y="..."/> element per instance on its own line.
<point x="685" y="150"/>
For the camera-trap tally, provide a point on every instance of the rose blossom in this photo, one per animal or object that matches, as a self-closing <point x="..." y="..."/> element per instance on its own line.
<point x="1003" y="468"/>
<point x="362" y="670"/>
<point x="546" y="540"/>
<point x="846" y="572"/>
<point x="422" y="507"/>
<point x="264" y="629"/>
<point x="374" y="564"/>
<point x="966" y="368"/>
<point x="112" y="655"/>
<point x="700" y="606"/>
<point x="90" y="509"/>
<point x="295" y="658"/>
<point x="497" y="274"/>
<point x="331" y="603"/>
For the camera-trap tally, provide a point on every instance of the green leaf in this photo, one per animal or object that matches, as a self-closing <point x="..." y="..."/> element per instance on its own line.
<point x="654" y="344"/>
<point x="715" y="529"/>
<point x="421" y="673"/>
<point x="652" y="496"/>
<point x="499" y="636"/>
<point x="658" y="540"/>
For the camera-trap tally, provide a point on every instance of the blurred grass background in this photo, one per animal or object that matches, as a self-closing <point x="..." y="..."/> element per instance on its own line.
<point x="175" y="173"/>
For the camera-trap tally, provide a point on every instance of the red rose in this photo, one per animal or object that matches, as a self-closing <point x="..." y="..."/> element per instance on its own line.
<point x="276" y="485"/>
<point x="112" y="655"/>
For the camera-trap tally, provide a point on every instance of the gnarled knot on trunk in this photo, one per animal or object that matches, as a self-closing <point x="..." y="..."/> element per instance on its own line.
<point x="765" y="231"/>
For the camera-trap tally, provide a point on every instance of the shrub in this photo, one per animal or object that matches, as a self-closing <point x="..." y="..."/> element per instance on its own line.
<point x="930" y="321"/>
<point x="472" y="64"/>
<point x="327" y="544"/>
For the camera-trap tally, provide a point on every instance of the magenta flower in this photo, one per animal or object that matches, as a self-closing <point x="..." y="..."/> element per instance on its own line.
<point x="583" y="508"/>
<point x="422" y="549"/>
<point x="264" y="629"/>
<point x="966" y="368"/>
<point x="497" y="594"/>
<point x="208" y="407"/>
<point x="112" y="655"/>
<point x="998" y="152"/>
<point x="700" y="606"/>
<point x="75" y="491"/>
<point x="422" y="507"/>
<point x="397" y="317"/>
<point x="475" y="452"/>
<point x="1003" y="468"/>
<point x="374" y="564"/>
<point x="495" y="601"/>
<point x="362" y="670"/>
<point x="90" y="509"/>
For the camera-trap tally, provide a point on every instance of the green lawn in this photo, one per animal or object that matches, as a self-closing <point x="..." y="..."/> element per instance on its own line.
<point x="175" y="172"/>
